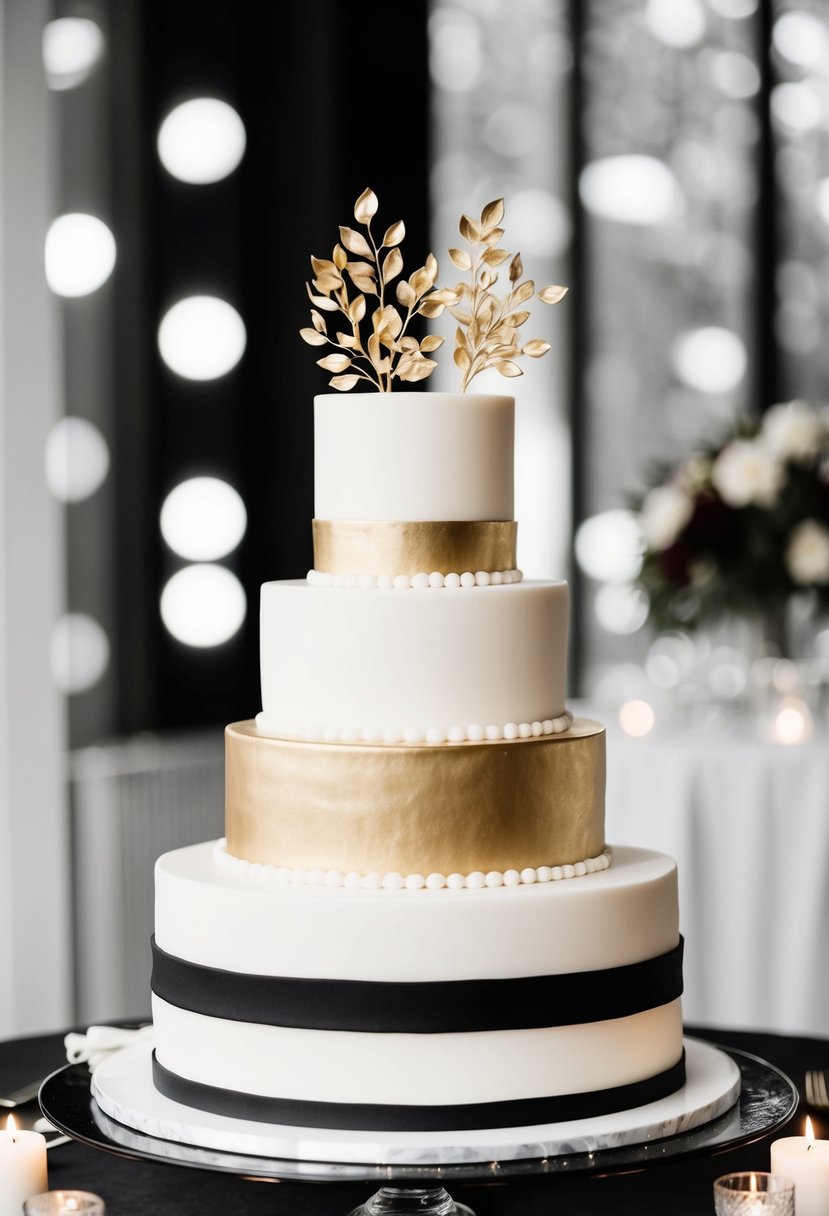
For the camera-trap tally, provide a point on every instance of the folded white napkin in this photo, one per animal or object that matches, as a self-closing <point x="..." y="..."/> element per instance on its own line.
<point x="100" y="1041"/>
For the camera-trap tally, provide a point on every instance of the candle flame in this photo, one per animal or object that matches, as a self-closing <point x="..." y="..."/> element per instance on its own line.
<point x="810" y="1134"/>
<point x="11" y="1124"/>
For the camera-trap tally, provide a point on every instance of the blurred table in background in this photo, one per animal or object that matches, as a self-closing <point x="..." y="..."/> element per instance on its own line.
<point x="748" y="823"/>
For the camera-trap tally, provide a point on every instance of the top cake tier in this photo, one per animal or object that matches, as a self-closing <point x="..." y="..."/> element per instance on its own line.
<point x="407" y="456"/>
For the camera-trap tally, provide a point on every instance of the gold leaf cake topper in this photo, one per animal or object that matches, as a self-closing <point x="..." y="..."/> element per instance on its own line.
<point x="389" y="353"/>
<point x="487" y="334"/>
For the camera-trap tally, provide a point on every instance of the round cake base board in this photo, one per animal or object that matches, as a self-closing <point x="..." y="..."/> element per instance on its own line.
<point x="123" y="1088"/>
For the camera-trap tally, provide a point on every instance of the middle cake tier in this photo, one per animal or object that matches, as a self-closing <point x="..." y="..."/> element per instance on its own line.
<point x="470" y="808"/>
<point x="379" y="665"/>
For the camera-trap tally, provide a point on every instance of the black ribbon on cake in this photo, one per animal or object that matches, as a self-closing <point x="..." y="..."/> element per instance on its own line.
<point x="520" y="1112"/>
<point x="436" y="1007"/>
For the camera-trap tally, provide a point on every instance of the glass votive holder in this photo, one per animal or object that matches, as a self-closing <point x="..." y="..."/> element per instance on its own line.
<point x="753" y="1194"/>
<point x="64" y="1203"/>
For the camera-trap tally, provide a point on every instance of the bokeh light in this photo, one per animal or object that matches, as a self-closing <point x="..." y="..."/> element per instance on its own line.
<point x="203" y="519"/>
<point x="79" y="254"/>
<point x="201" y="141"/>
<point x="79" y="652"/>
<point x="203" y="605"/>
<point x="710" y="359"/>
<point x="201" y="338"/>
<point x="637" y="718"/>
<point x="629" y="189"/>
<point x="71" y="47"/>
<point x="609" y="546"/>
<point x="620" y="608"/>
<point x="77" y="459"/>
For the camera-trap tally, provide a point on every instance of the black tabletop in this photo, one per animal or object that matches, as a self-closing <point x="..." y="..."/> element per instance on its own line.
<point x="132" y="1188"/>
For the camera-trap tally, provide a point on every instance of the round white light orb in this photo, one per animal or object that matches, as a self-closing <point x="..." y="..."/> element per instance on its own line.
<point x="201" y="141"/>
<point x="677" y="23"/>
<point x="609" y="546"/>
<point x="796" y="106"/>
<point x="637" y="718"/>
<point x="79" y="254"/>
<point x="710" y="359"/>
<point x="735" y="75"/>
<point x="203" y="605"/>
<point x="71" y="46"/>
<point x="629" y="189"/>
<point x="202" y="338"/>
<point x="77" y="459"/>
<point x="620" y="608"/>
<point x="540" y="223"/>
<point x="801" y="38"/>
<point x="455" y="55"/>
<point x="79" y="652"/>
<point x="203" y="519"/>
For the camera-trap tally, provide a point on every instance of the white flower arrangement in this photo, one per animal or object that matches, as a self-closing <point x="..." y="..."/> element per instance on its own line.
<point x="750" y="510"/>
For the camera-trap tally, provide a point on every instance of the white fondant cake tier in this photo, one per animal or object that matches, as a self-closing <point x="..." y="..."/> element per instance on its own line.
<point x="231" y="919"/>
<point x="413" y="456"/>
<point x="547" y="993"/>
<point x="127" y="1099"/>
<point x="353" y="658"/>
<point x="416" y="1069"/>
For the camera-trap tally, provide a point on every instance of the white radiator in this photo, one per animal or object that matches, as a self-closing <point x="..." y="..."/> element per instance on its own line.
<point x="130" y="801"/>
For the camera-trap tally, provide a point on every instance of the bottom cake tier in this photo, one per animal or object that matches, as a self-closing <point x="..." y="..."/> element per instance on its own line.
<point x="416" y="1009"/>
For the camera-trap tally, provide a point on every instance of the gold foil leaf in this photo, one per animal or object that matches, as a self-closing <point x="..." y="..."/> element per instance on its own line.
<point x="394" y="234"/>
<point x="469" y="229"/>
<point x="492" y="213"/>
<point x="334" y="363"/>
<point x="392" y="265"/>
<point x="343" y="383"/>
<point x="431" y="342"/>
<point x="552" y="295"/>
<point x="335" y="278"/>
<point x="366" y="206"/>
<point x="356" y="243"/>
<point x="488" y="323"/>
<point x="405" y="294"/>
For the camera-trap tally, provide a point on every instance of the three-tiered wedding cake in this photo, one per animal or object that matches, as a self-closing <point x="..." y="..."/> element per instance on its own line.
<point x="414" y="922"/>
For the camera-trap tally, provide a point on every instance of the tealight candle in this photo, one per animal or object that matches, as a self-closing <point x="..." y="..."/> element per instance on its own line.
<point x="753" y="1194"/>
<point x="806" y="1161"/>
<point x="22" y="1167"/>
<point x="65" y="1203"/>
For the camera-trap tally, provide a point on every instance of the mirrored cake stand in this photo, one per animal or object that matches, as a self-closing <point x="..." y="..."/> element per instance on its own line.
<point x="656" y="1134"/>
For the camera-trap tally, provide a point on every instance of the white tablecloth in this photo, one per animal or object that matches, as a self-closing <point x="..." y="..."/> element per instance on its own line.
<point x="748" y="823"/>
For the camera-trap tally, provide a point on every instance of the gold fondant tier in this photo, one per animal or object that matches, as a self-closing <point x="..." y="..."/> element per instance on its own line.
<point x="380" y="547"/>
<point x="416" y="809"/>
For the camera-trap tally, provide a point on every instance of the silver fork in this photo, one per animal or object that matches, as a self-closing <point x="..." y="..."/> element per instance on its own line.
<point x="817" y="1089"/>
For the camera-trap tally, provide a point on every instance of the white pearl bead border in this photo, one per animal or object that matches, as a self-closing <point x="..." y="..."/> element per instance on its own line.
<point x="432" y="735"/>
<point x="420" y="582"/>
<point x="476" y="881"/>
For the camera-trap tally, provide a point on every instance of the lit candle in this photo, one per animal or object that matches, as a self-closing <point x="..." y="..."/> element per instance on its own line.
<point x="806" y="1161"/>
<point x="22" y="1167"/>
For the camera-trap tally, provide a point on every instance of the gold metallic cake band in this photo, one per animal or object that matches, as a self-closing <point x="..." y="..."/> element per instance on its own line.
<point x="453" y="808"/>
<point x="387" y="547"/>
